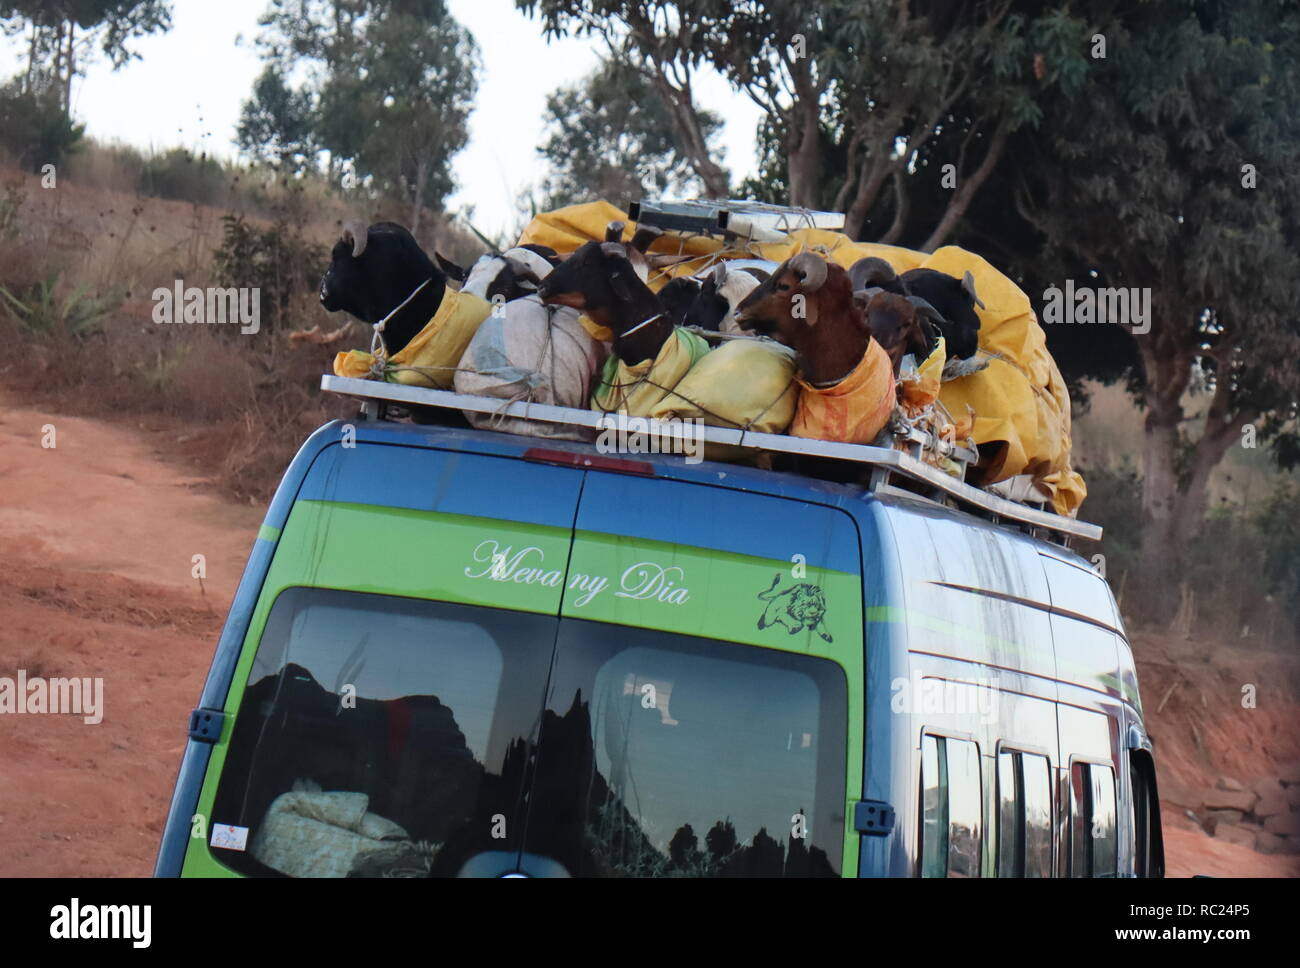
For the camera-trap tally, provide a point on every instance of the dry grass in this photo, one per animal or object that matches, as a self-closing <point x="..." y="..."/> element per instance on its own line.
<point x="241" y="404"/>
<point x="119" y="246"/>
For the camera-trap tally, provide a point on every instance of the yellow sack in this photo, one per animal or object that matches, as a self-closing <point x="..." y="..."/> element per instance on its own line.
<point x="919" y="388"/>
<point x="853" y="411"/>
<point x="744" y="384"/>
<point x="635" y="390"/>
<point x="1022" y="411"/>
<point x="430" y="359"/>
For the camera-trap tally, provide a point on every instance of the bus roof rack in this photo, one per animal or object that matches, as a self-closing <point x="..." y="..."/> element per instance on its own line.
<point x="888" y="467"/>
<point x="731" y="218"/>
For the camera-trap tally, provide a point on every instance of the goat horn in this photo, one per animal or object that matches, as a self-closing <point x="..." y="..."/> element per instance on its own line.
<point x="869" y="272"/>
<point x="925" y="310"/>
<point x="968" y="286"/>
<point x="614" y="231"/>
<point x="357" y="232"/>
<point x="811" y="270"/>
<point x="645" y="237"/>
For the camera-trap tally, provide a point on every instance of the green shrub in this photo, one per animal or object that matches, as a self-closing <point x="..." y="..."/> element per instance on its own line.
<point x="41" y="310"/>
<point x="276" y="259"/>
<point x="34" y="128"/>
<point x="182" y="175"/>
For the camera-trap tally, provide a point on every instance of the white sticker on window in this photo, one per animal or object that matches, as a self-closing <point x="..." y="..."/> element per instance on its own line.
<point x="229" y="837"/>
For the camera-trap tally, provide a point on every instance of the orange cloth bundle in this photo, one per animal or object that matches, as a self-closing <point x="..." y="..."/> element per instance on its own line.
<point x="853" y="411"/>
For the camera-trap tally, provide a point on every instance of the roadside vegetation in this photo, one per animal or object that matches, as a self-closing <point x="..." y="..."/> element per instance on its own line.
<point x="1010" y="130"/>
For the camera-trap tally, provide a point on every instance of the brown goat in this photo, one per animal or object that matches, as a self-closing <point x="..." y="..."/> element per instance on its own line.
<point x="900" y="324"/>
<point x="808" y="305"/>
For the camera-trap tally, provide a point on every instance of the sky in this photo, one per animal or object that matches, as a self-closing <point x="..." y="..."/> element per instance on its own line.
<point x="188" y="86"/>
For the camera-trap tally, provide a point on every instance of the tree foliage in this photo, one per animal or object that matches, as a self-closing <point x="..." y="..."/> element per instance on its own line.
<point x="61" y="34"/>
<point x="389" y="85"/>
<point x="276" y="126"/>
<point x="610" y="136"/>
<point x="1174" y="172"/>
<point x="864" y="103"/>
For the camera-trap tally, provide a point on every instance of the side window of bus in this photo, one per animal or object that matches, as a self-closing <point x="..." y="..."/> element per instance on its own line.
<point x="951" y="808"/>
<point x="1024" y="815"/>
<point x="1094" y="842"/>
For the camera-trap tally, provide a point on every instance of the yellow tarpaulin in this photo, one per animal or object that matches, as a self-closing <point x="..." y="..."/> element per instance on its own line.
<point x="1022" y="410"/>
<point x="430" y="359"/>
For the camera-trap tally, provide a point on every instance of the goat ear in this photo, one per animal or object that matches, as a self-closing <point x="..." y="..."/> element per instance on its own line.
<point x="968" y="287"/>
<point x="452" y="270"/>
<point x="657" y="260"/>
<point x="720" y="273"/>
<point x="645" y="237"/>
<point x="614" y="231"/>
<point x="930" y="319"/>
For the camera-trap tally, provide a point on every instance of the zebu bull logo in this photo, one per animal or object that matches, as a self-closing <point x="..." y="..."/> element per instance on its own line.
<point x="799" y="607"/>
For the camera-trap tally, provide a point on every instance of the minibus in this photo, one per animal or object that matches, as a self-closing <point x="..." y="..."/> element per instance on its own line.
<point x="459" y="652"/>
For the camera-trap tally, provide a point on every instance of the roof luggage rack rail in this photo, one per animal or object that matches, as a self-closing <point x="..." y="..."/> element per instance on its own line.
<point x="889" y="467"/>
<point x="731" y="218"/>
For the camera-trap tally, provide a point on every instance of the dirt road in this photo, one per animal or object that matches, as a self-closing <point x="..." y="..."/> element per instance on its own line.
<point x="97" y="538"/>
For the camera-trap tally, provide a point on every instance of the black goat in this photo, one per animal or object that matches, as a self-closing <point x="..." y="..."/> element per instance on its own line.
<point x="508" y="275"/>
<point x="378" y="273"/>
<point x="600" y="280"/>
<point x="678" y="296"/>
<point x="954" y="299"/>
<point x="710" y="301"/>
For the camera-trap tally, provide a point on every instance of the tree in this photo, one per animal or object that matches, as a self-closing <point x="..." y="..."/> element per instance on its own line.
<point x="33" y="129"/>
<point x="610" y="136"/>
<point x="857" y="96"/>
<point x="275" y="126"/>
<point x="393" y="82"/>
<point x="64" y="32"/>
<point x="414" y="103"/>
<point x="1174" y="172"/>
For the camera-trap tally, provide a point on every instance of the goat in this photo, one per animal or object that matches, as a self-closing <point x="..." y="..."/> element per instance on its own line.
<point x="503" y="276"/>
<point x="954" y="299"/>
<point x="710" y="301"/>
<point x="678" y="296"/>
<point x="380" y="273"/>
<point x="808" y="305"/>
<point x="601" y="280"/>
<point x="900" y="324"/>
